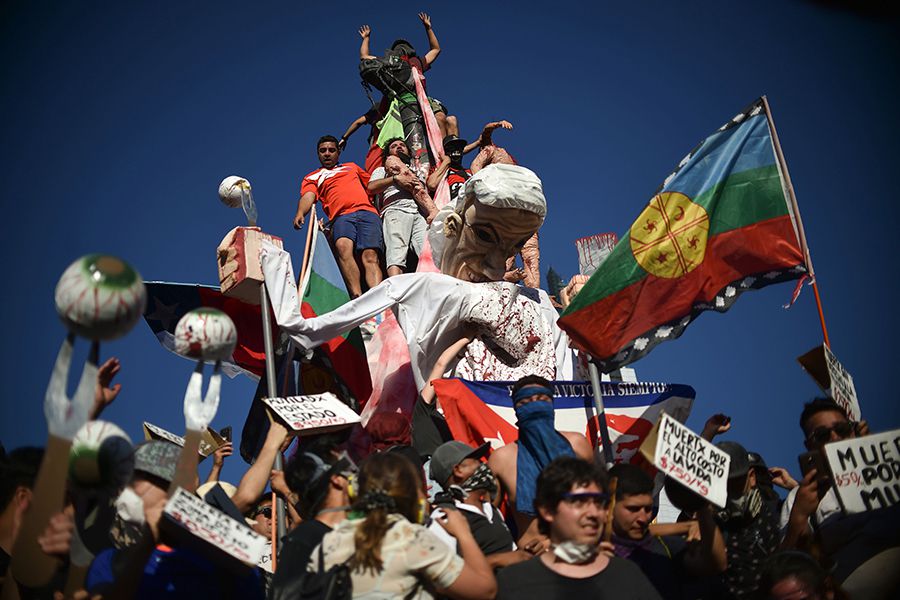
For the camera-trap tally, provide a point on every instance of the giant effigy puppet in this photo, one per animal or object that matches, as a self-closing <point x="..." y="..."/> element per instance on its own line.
<point x="514" y="327"/>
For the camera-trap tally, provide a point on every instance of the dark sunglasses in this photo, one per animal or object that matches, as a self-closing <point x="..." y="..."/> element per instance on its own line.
<point x="821" y="435"/>
<point x="598" y="499"/>
<point x="265" y="511"/>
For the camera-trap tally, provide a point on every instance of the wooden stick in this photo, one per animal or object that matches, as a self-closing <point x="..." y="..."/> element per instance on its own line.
<point x="795" y="210"/>
<point x="309" y="234"/>
<point x="29" y="565"/>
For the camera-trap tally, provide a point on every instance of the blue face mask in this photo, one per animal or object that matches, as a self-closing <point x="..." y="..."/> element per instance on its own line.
<point x="538" y="410"/>
<point x="539" y="444"/>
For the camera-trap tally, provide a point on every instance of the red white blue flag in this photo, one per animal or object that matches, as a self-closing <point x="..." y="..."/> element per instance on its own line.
<point x="482" y="411"/>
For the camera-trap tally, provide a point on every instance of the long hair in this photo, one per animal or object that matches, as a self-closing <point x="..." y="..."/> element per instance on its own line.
<point x="388" y="483"/>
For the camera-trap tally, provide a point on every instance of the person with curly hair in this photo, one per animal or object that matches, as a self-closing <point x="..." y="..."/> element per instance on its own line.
<point x="389" y="552"/>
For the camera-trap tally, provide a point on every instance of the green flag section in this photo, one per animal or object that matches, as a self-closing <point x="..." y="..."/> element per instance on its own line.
<point x="718" y="226"/>
<point x="345" y="355"/>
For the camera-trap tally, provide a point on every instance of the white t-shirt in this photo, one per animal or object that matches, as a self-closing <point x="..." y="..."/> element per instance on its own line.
<point x="828" y="506"/>
<point x="393" y="197"/>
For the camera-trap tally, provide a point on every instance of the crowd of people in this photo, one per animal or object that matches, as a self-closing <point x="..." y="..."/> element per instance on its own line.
<point x="420" y="514"/>
<point x="452" y="522"/>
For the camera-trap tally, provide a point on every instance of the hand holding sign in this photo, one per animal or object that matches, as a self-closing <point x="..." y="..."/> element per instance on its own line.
<point x="316" y="412"/>
<point x="691" y="460"/>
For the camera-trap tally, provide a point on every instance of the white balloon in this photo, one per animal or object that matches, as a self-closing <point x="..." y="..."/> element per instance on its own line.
<point x="205" y="334"/>
<point x="100" y="297"/>
<point x="230" y="190"/>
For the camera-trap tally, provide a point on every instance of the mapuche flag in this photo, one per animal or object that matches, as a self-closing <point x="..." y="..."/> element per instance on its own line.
<point x="482" y="411"/>
<point x="719" y="225"/>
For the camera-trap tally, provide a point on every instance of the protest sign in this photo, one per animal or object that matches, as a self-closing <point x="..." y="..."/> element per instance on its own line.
<point x="842" y="389"/>
<point x="692" y="461"/>
<point x="315" y="412"/>
<point x="211" y="531"/>
<point x="866" y="471"/>
<point x="828" y="373"/>
<point x="210" y="440"/>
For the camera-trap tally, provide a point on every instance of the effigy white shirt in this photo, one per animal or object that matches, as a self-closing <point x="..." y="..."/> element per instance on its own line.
<point x="517" y="328"/>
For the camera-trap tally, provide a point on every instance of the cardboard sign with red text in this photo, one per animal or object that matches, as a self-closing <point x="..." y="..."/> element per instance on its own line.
<point x="692" y="461"/>
<point x="213" y="530"/>
<point x="866" y="471"/>
<point x="315" y="412"/>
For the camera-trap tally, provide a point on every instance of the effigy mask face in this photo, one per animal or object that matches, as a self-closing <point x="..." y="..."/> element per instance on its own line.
<point x="479" y="244"/>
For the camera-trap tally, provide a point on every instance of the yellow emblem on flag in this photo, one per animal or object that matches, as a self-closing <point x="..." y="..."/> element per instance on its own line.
<point x="669" y="237"/>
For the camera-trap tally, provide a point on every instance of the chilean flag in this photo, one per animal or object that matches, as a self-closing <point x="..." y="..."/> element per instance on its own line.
<point x="482" y="411"/>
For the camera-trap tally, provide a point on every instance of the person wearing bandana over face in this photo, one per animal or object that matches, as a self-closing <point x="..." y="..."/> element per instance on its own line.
<point x="571" y="501"/>
<point x="749" y="525"/>
<point x="470" y="486"/>
<point x="517" y="465"/>
<point x="169" y="572"/>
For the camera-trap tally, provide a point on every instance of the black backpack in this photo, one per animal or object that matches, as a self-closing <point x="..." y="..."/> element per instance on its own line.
<point x="390" y="75"/>
<point x="333" y="584"/>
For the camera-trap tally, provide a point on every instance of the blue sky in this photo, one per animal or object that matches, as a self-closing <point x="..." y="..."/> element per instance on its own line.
<point x="120" y="121"/>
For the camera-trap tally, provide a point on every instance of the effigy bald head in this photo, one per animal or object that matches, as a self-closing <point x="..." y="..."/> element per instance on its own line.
<point x="501" y="208"/>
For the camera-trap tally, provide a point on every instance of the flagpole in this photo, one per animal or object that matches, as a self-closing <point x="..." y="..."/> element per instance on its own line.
<point x="306" y="247"/>
<point x="272" y="390"/>
<point x="779" y="155"/>
<point x="601" y="414"/>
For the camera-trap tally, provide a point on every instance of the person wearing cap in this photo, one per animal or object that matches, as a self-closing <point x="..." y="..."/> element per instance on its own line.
<point x="454" y="149"/>
<point x="517" y="465"/>
<point x="469" y="486"/>
<point x="451" y="165"/>
<point x="141" y="558"/>
<point x="322" y="482"/>
<point x="749" y="525"/>
<point x="669" y="561"/>
<point x="406" y="208"/>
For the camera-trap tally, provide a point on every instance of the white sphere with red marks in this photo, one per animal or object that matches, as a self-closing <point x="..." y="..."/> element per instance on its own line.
<point x="101" y="458"/>
<point x="232" y="189"/>
<point x="205" y="334"/>
<point x="100" y="297"/>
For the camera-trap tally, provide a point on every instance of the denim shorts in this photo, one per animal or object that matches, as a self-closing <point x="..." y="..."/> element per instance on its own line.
<point x="362" y="227"/>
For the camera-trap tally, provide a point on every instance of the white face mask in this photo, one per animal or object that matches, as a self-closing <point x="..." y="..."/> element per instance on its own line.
<point x="575" y="553"/>
<point x="130" y="506"/>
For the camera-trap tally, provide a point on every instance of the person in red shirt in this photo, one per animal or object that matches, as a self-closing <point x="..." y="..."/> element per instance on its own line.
<point x="355" y="226"/>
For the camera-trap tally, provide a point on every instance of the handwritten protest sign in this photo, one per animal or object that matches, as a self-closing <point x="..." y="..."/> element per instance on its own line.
<point x="866" y="471"/>
<point x="314" y="412"/>
<point x="692" y="461"/>
<point x="842" y="389"/>
<point x="209" y="442"/>
<point x="828" y="373"/>
<point x="214" y="530"/>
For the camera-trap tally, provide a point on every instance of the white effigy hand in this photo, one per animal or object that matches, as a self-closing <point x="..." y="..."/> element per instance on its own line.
<point x="65" y="417"/>
<point x="199" y="412"/>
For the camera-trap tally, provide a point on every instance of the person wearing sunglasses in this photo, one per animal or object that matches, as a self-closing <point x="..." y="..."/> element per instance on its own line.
<point x="571" y="502"/>
<point x="813" y="502"/>
<point x="860" y="549"/>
